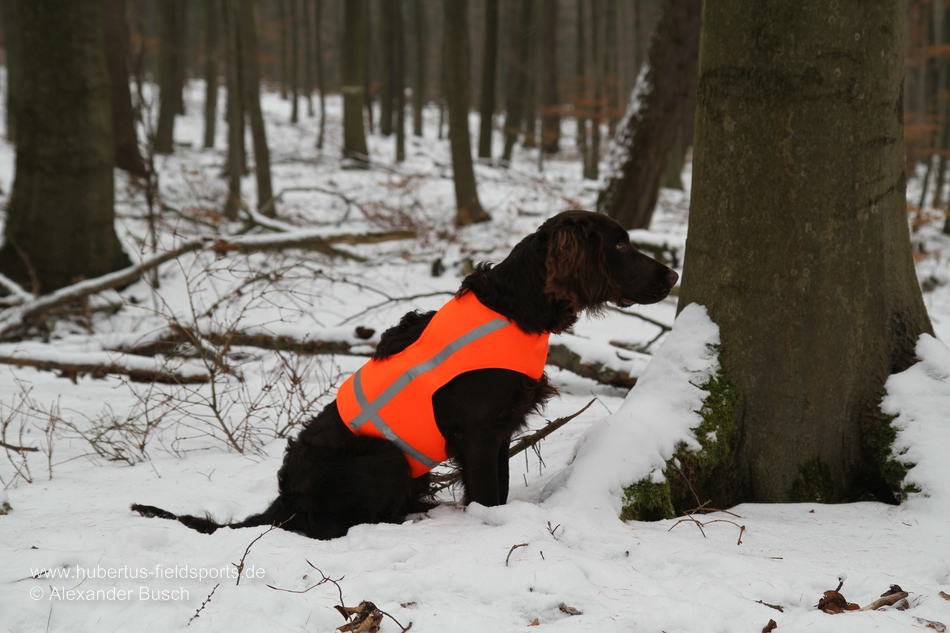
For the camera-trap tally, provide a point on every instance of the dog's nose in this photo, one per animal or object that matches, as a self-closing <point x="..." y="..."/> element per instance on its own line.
<point x="672" y="277"/>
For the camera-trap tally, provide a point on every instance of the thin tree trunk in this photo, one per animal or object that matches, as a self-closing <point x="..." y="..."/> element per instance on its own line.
<point x="212" y="19"/>
<point x="419" y="80"/>
<point x="251" y="83"/>
<point x="284" y="19"/>
<point x="592" y="164"/>
<point x="353" y="86"/>
<point x="294" y="61"/>
<point x="486" y="106"/>
<point x="369" y="92"/>
<point x="235" y="110"/>
<point x="550" y="107"/>
<point x="398" y="79"/>
<point x="171" y="58"/>
<point x="116" y="36"/>
<point x="812" y="283"/>
<point x="307" y="56"/>
<point x="580" y="90"/>
<point x="656" y="112"/>
<point x="11" y="38"/>
<point x="517" y="72"/>
<point x="60" y="222"/>
<point x="530" y="42"/>
<point x="321" y="81"/>
<point x="455" y="72"/>
<point x="386" y="26"/>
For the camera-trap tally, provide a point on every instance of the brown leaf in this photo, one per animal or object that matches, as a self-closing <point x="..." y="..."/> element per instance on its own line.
<point x="771" y="626"/>
<point x="939" y="627"/>
<point x="945" y="595"/>
<point x="535" y="623"/>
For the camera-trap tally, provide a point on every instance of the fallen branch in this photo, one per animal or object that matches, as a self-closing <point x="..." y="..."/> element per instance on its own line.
<point x="513" y="548"/>
<point x="15" y="317"/>
<point x="20" y="449"/>
<point x="72" y="370"/>
<point x="886" y="600"/>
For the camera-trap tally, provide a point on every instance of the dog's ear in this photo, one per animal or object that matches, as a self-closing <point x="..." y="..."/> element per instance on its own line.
<point x="576" y="267"/>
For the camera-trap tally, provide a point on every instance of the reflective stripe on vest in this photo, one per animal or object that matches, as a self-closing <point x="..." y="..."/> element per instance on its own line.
<point x="392" y="398"/>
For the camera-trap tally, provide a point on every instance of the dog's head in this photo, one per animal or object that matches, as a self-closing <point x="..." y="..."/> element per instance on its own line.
<point x="590" y="261"/>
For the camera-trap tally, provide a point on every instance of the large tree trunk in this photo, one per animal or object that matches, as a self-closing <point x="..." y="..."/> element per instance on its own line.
<point x="251" y="83"/>
<point x="550" y="107"/>
<point x="798" y="239"/>
<point x="212" y="20"/>
<point x="60" y="220"/>
<point x="597" y="31"/>
<point x="455" y="73"/>
<point x="655" y="114"/>
<point x="580" y="85"/>
<point x="355" y="16"/>
<point x="171" y="62"/>
<point x="307" y="55"/>
<point x="11" y="40"/>
<point x="486" y="106"/>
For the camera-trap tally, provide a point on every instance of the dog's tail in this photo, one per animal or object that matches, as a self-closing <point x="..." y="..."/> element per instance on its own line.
<point x="207" y="524"/>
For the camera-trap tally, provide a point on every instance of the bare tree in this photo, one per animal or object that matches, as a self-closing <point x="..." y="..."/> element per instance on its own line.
<point x="355" y="153"/>
<point x="171" y="69"/>
<point x="486" y="106"/>
<point x="656" y="112"/>
<point x="456" y="81"/>
<point x="116" y="36"/>
<point x="211" y="27"/>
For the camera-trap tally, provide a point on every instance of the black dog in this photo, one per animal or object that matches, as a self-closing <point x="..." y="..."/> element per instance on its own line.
<point x="332" y="479"/>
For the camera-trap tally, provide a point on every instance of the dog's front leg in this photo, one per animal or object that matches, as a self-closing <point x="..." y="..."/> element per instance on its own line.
<point x="503" y="475"/>
<point x="480" y="473"/>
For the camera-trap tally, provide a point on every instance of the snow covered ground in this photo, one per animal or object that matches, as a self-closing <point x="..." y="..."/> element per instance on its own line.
<point x="74" y="558"/>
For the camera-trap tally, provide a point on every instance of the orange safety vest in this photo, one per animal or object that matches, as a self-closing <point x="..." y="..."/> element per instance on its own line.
<point x="392" y="398"/>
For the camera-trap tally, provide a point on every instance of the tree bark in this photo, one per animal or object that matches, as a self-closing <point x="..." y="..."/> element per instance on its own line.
<point x="456" y="80"/>
<point x="419" y="80"/>
<point x="580" y="88"/>
<point x="284" y="19"/>
<point x="212" y="19"/>
<point x="355" y="16"/>
<point x="251" y="84"/>
<point x="798" y="238"/>
<point x="60" y="220"/>
<point x="597" y="30"/>
<point x="550" y="106"/>
<point x="486" y="106"/>
<point x="656" y="112"/>
<point x="116" y="36"/>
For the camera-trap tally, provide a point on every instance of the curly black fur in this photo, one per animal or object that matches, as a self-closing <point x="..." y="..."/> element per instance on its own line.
<point x="332" y="479"/>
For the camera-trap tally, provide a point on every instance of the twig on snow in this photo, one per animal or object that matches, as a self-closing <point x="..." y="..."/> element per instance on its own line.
<point x="513" y="548"/>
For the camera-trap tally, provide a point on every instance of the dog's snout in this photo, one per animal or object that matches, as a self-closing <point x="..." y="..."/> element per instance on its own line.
<point x="671" y="277"/>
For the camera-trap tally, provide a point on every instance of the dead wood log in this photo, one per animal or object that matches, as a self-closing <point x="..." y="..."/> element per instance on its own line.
<point x="885" y="601"/>
<point x="168" y="341"/>
<point x="561" y="356"/>
<point x="73" y="370"/>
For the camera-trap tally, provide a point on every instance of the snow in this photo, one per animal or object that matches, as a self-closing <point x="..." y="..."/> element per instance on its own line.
<point x="454" y="568"/>
<point x="659" y="413"/>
